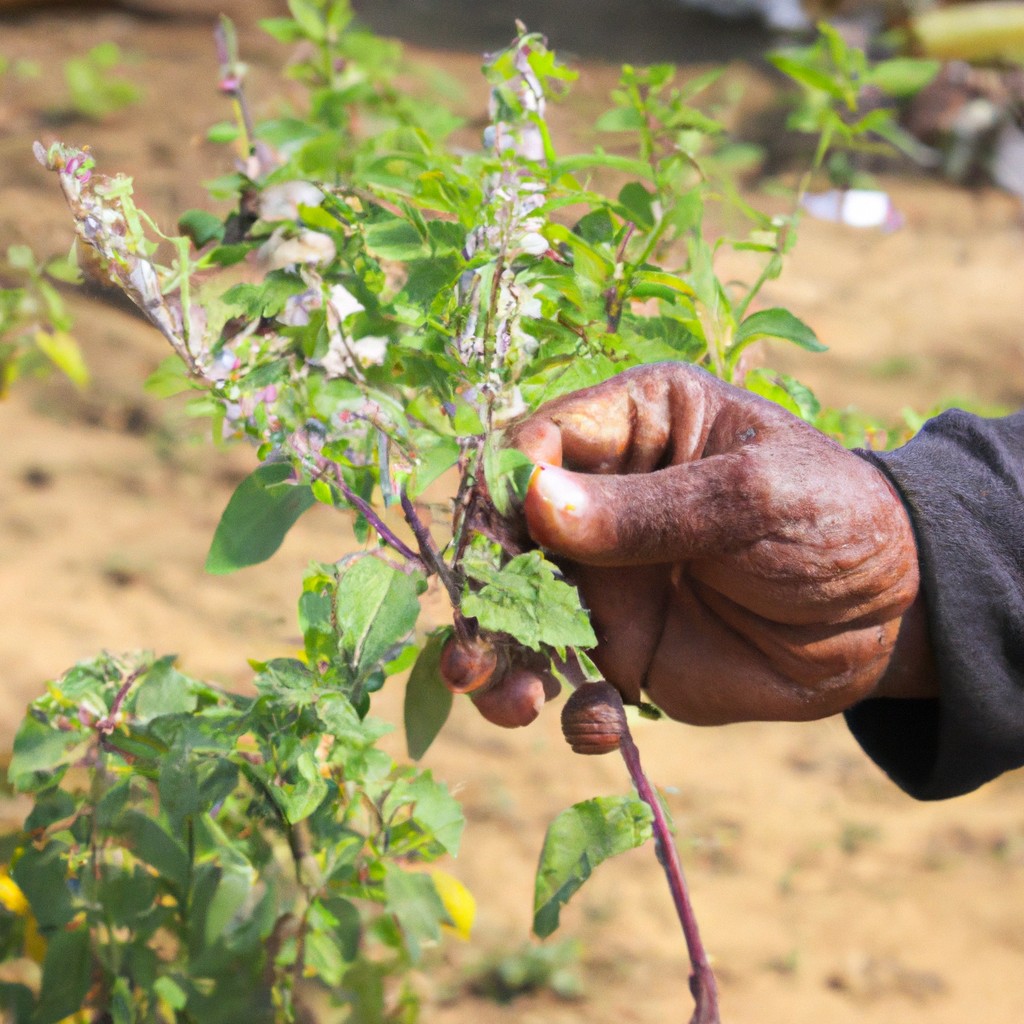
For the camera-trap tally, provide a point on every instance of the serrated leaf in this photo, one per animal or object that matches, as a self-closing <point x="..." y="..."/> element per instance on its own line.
<point x="427" y="700"/>
<point x="526" y="599"/>
<point x="577" y="841"/>
<point x="436" y="811"/>
<point x="260" y="513"/>
<point x="377" y="607"/>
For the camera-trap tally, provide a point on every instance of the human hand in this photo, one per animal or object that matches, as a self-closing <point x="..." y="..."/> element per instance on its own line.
<point x="737" y="564"/>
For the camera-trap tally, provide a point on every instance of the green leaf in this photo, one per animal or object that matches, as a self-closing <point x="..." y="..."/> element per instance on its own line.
<point x="784" y="390"/>
<point x="307" y="14"/>
<point x="164" y="691"/>
<point x="51" y="806"/>
<point x="577" y="841"/>
<point x="413" y="899"/>
<point x="170" y="992"/>
<point x="237" y="878"/>
<point x="42" y="875"/>
<point x="201" y="226"/>
<point x="67" y="975"/>
<point x="169" y="378"/>
<point x="156" y="847"/>
<point x="806" y="75"/>
<point x="774" y="323"/>
<point x="122" y="1006"/>
<point x="526" y="599"/>
<point x="284" y="30"/>
<point x="903" y="76"/>
<point x="299" y="798"/>
<point x="39" y="750"/>
<point x="435" y="811"/>
<point x="507" y="472"/>
<point x="620" y="119"/>
<point x="435" y="456"/>
<point x="62" y="350"/>
<point x="259" y="515"/>
<point x="377" y="607"/>
<point x="395" y="240"/>
<point x="333" y="939"/>
<point x="427" y="700"/>
<point x="636" y="203"/>
<point x="179" y="787"/>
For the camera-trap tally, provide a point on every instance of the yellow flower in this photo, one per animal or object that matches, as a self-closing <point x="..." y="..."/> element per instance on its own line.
<point x="458" y="902"/>
<point x="13" y="900"/>
<point x="11" y="897"/>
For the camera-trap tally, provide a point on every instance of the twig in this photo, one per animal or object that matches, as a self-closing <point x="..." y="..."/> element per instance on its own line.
<point x="702" y="979"/>
<point x="384" y="531"/>
<point x="429" y="550"/>
<point x="108" y="723"/>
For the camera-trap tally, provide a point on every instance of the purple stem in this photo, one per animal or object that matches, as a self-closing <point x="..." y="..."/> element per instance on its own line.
<point x="108" y="723"/>
<point x="702" y="979"/>
<point x="384" y="531"/>
<point x="429" y="551"/>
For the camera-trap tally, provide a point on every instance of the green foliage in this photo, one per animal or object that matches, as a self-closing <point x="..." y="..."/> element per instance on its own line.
<point x="847" y="101"/>
<point x="531" y="968"/>
<point x="196" y="855"/>
<point x="94" y="90"/>
<point x="35" y="324"/>
<point x="199" y="853"/>
<point x="578" y="840"/>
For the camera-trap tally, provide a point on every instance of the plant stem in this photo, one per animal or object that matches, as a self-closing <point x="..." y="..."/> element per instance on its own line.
<point x="384" y="531"/>
<point x="702" y="979"/>
<point x="429" y="551"/>
<point x="106" y="725"/>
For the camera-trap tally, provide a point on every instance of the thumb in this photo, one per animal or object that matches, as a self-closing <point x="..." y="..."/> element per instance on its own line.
<point x="669" y="515"/>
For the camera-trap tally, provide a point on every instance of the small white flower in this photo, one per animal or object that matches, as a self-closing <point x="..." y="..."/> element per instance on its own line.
<point x="286" y="249"/>
<point x="282" y="202"/>
<point x="342" y="302"/>
<point x="370" y="350"/>
<point x="534" y="243"/>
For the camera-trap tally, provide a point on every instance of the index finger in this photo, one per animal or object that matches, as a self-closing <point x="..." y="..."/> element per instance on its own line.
<point x="635" y="422"/>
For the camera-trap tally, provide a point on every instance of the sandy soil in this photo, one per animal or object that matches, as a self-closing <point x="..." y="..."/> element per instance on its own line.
<point x="824" y="893"/>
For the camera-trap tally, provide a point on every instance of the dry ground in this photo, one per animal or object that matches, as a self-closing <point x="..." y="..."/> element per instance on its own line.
<point x="826" y="896"/>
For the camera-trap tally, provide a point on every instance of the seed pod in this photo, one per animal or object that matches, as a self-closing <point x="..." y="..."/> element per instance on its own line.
<point x="467" y="665"/>
<point x="593" y="719"/>
<point x="514" y="701"/>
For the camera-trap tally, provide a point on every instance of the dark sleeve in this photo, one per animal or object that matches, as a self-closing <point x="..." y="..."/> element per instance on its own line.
<point x="962" y="481"/>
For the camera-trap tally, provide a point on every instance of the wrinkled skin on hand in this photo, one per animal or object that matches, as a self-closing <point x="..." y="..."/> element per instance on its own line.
<point x="737" y="564"/>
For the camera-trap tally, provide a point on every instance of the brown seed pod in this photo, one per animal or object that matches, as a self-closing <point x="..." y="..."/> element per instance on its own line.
<point x="467" y="665"/>
<point x="593" y="718"/>
<point x="515" y="700"/>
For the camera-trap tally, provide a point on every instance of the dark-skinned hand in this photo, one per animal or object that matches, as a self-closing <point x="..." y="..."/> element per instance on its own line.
<point x="737" y="564"/>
